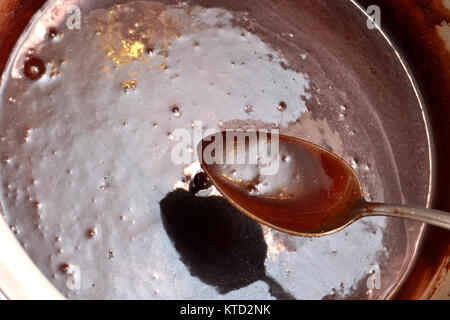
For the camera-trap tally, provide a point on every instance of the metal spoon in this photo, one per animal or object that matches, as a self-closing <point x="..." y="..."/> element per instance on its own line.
<point x="312" y="193"/>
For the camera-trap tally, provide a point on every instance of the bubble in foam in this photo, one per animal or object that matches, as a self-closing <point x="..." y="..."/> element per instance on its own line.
<point x="34" y="68"/>
<point x="52" y="33"/>
<point x="200" y="182"/>
<point x="91" y="232"/>
<point x="248" y="109"/>
<point x="175" y="110"/>
<point x="64" y="267"/>
<point x="282" y="106"/>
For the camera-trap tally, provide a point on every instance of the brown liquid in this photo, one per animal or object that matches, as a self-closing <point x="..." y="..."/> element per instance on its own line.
<point x="312" y="192"/>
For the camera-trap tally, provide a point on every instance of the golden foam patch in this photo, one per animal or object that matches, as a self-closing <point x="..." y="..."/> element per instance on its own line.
<point x="131" y="32"/>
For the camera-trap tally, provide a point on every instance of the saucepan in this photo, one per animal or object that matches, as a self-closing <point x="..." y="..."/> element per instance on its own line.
<point x="96" y="95"/>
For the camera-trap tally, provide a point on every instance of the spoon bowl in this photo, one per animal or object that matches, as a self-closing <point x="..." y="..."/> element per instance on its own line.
<point x="292" y="185"/>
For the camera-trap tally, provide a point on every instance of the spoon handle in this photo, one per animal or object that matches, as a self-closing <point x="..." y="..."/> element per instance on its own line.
<point x="431" y="216"/>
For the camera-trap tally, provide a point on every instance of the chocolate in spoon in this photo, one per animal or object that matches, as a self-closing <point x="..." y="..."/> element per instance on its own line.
<point x="313" y="192"/>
